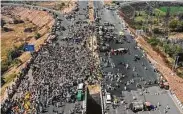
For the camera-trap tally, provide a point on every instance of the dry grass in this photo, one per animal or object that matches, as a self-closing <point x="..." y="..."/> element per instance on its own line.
<point x="94" y="89"/>
<point x="15" y="37"/>
<point x="176" y="36"/>
<point x="91" y="11"/>
<point x="43" y="22"/>
<point x="57" y="5"/>
<point x="108" y="2"/>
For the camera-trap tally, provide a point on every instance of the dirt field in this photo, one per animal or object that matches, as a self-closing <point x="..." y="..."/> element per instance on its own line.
<point x="91" y="11"/>
<point x="58" y="5"/>
<point x="94" y="89"/>
<point x="108" y="2"/>
<point x="41" y="20"/>
<point x="176" y="36"/>
<point x="15" y="37"/>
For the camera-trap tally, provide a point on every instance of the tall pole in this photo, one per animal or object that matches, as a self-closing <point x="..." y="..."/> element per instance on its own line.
<point x="175" y="63"/>
<point x="167" y="21"/>
<point x="177" y="60"/>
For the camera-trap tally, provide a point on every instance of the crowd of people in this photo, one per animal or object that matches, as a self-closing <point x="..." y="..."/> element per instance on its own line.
<point x="53" y="74"/>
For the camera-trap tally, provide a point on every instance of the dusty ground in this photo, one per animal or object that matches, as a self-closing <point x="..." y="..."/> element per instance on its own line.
<point x="94" y="89"/>
<point x="57" y="5"/>
<point x="107" y="2"/>
<point x="158" y="61"/>
<point x="176" y="36"/>
<point x="91" y="11"/>
<point x="71" y="6"/>
<point x="15" y="37"/>
<point x="41" y="20"/>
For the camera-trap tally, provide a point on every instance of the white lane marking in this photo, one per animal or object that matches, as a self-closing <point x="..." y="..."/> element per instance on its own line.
<point x="159" y="111"/>
<point x="126" y="111"/>
<point x="149" y="112"/>
<point x="116" y="111"/>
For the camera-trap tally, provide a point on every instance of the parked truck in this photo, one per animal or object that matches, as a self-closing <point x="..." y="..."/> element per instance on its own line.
<point x="164" y="84"/>
<point x="140" y="106"/>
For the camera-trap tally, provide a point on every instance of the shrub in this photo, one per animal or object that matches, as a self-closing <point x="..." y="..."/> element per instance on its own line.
<point x="169" y="49"/>
<point x="173" y="24"/>
<point x="16" y="62"/>
<point x="154" y="41"/>
<point x="37" y="35"/>
<point x="4" y="66"/>
<point x="156" y="31"/>
<point x="180" y="27"/>
<point x="2" y="22"/>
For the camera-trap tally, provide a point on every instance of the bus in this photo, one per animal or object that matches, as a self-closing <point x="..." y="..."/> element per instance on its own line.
<point x="80" y="93"/>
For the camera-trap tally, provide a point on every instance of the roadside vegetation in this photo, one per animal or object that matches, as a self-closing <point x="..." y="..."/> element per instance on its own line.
<point x="173" y="9"/>
<point x="16" y="31"/>
<point x="13" y="42"/>
<point x="160" y="33"/>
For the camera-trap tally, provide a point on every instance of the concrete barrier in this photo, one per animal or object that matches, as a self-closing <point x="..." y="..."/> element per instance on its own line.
<point x="102" y="101"/>
<point x="85" y="101"/>
<point x="176" y="101"/>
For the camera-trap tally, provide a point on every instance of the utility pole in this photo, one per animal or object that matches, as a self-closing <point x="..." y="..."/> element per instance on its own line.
<point x="167" y="22"/>
<point x="176" y="62"/>
<point x="149" y="15"/>
<point x="147" y="11"/>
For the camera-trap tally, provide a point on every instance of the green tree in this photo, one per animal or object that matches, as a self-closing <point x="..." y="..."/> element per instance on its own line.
<point x="178" y="49"/>
<point x="37" y="35"/>
<point x="16" y="61"/>
<point x="156" y="31"/>
<point x="173" y="24"/>
<point x="2" y="23"/>
<point x="113" y="2"/>
<point x="169" y="49"/>
<point x="154" y="41"/>
<point x="4" y="66"/>
<point x="63" y="4"/>
<point x="155" y="21"/>
<point x="180" y="27"/>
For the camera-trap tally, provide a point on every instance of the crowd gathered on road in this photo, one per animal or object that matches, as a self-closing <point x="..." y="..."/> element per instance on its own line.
<point x="54" y="72"/>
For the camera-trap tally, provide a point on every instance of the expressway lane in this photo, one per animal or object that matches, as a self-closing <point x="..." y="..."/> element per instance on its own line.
<point x="52" y="89"/>
<point x="70" y="26"/>
<point x="140" y="69"/>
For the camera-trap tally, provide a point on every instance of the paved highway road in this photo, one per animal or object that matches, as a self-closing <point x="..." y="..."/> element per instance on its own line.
<point x="142" y="67"/>
<point x="46" y="99"/>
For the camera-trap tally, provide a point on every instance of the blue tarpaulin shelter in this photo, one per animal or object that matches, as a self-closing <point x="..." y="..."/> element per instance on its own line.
<point x="29" y="47"/>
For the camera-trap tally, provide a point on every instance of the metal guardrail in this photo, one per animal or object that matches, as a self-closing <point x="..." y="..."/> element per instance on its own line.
<point x="177" y="101"/>
<point x="85" y="101"/>
<point x="101" y="99"/>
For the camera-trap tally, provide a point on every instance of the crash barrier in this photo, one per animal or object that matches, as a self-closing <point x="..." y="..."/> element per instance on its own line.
<point x="101" y="97"/>
<point x="85" y="101"/>
<point x="178" y="102"/>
